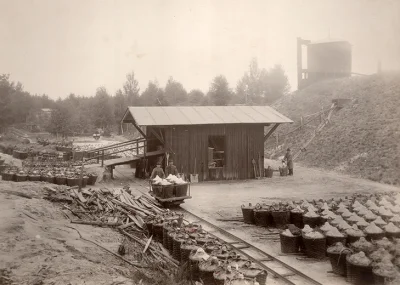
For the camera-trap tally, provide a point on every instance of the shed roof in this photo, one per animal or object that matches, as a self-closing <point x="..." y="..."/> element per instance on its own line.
<point x="203" y="115"/>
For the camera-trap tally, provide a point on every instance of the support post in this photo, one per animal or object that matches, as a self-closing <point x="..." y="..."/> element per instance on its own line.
<point x="270" y="132"/>
<point x="102" y="158"/>
<point x="98" y="158"/>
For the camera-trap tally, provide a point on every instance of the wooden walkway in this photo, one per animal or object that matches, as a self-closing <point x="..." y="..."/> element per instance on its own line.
<point x="128" y="160"/>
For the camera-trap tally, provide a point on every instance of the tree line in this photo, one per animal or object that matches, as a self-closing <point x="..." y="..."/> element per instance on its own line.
<point x="78" y="114"/>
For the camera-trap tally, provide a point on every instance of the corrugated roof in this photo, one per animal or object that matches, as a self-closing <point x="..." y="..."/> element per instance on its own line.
<point x="203" y="115"/>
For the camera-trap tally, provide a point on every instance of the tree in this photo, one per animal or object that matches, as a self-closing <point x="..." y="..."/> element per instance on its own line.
<point x="103" y="109"/>
<point x="6" y="88"/>
<point x="219" y="93"/>
<point x="131" y="89"/>
<point x="259" y="86"/>
<point x="153" y="95"/>
<point x="175" y="94"/>
<point x="59" y="121"/>
<point x="195" y="98"/>
<point x="277" y="84"/>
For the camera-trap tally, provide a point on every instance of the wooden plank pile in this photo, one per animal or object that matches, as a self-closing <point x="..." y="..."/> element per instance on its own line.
<point x="117" y="208"/>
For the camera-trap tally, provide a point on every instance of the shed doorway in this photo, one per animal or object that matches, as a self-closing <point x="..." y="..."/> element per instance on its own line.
<point x="216" y="157"/>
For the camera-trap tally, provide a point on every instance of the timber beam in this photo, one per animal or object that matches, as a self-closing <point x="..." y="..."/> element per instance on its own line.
<point x="270" y="132"/>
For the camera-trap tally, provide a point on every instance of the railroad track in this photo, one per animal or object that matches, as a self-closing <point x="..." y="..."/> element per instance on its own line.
<point x="275" y="267"/>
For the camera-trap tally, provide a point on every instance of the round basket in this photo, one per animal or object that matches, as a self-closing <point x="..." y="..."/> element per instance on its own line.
<point x="322" y="220"/>
<point x="185" y="250"/>
<point x="357" y="274"/>
<point x="332" y="240"/>
<point x="170" y="240"/>
<point x="21" y="177"/>
<point x="5" y="176"/>
<point x="369" y="220"/>
<point x="85" y="180"/>
<point x="92" y="179"/>
<point x="263" y="217"/>
<point x="61" y="180"/>
<point x="382" y="280"/>
<point x="311" y="221"/>
<point x="390" y="235"/>
<point x="315" y="248"/>
<point x="248" y="214"/>
<point x="297" y="219"/>
<point x="290" y="244"/>
<point x="281" y="218"/>
<point x="374" y="236"/>
<point x="166" y="228"/>
<point x="33" y="177"/>
<point x="219" y="279"/>
<point x="149" y="227"/>
<point x="158" y="231"/>
<point x="72" y="181"/>
<point x="338" y="262"/>
<point x="206" y="272"/>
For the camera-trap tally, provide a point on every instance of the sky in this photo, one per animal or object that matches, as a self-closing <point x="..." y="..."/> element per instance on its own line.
<point x="58" y="47"/>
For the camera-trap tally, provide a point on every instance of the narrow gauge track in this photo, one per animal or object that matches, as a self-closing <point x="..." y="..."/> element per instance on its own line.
<point x="279" y="269"/>
<point x="272" y="265"/>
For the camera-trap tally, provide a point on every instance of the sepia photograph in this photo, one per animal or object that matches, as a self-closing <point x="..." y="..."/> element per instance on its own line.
<point x="188" y="142"/>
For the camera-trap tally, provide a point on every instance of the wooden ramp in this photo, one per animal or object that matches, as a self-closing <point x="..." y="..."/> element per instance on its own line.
<point x="129" y="160"/>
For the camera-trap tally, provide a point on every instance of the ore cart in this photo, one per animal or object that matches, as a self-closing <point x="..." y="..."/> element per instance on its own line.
<point x="170" y="195"/>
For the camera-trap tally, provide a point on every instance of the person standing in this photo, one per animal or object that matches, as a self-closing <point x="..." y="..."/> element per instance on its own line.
<point x="289" y="161"/>
<point x="157" y="171"/>
<point x="171" y="169"/>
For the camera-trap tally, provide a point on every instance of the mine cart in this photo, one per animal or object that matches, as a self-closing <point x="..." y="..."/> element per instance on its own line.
<point x="170" y="195"/>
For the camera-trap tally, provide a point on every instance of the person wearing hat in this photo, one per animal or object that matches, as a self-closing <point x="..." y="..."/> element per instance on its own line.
<point x="289" y="161"/>
<point x="157" y="171"/>
<point x="171" y="169"/>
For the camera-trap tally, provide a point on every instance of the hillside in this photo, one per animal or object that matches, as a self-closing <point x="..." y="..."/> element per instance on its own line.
<point x="362" y="138"/>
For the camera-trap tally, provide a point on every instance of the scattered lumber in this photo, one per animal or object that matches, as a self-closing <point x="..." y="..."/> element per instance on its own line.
<point x="112" y="224"/>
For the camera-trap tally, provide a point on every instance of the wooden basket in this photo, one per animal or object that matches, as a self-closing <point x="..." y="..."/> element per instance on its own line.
<point x="333" y="240"/>
<point x="315" y="248"/>
<point x="21" y="178"/>
<point x="263" y="218"/>
<point x="379" y="236"/>
<point x="359" y="275"/>
<point x="338" y="262"/>
<point x="281" y="218"/>
<point x="392" y="235"/>
<point x="61" y="180"/>
<point x="382" y="280"/>
<point x="351" y="239"/>
<point x="311" y="221"/>
<point x="167" y="191"/>
<point x="297" y="219"/>
<point x="248" y="214"/>
<point x="92" y="179"/>
<point x="34" y="177"/>
<point x="290" y="244"/>
<point x="181" y="190"/>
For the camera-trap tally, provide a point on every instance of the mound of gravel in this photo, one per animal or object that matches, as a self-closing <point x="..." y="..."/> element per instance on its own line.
<point x="363" y="138"/>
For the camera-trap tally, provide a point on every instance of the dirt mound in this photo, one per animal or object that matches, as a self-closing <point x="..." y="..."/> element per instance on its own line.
<point x="362" y="138"/>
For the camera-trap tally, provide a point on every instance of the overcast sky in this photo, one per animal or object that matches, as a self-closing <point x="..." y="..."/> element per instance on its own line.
<point x="59" y="47"/>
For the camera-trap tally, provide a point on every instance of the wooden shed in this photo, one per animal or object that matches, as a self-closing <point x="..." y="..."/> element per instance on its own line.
<point x="216" y="142"/>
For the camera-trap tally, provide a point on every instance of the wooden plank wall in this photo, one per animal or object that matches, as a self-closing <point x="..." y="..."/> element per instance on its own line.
<point x="243" y="142"/>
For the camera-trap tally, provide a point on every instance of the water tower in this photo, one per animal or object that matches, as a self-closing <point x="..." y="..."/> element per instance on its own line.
<point x="326" y="59"/>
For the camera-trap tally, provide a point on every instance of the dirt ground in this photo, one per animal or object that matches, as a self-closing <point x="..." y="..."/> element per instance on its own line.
<point x="214" y="200"/>
<point x="37" y="245"/>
